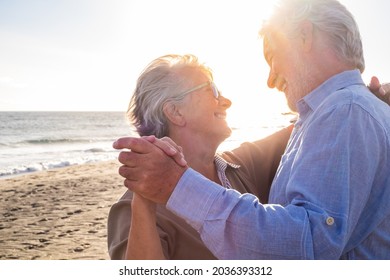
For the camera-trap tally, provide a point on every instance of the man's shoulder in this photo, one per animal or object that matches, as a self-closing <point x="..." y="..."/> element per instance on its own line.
<point x="356" y="104"/>
<point x="358" y="97"/>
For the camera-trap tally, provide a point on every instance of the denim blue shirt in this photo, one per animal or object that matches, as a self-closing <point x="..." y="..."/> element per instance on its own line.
<point x="330" y="198"/>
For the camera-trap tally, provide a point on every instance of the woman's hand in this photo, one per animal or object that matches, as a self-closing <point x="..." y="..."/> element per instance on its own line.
<point x="382" y="91"/>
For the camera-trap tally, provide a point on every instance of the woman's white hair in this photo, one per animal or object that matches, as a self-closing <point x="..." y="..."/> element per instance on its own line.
<point x="328" y="16"/>
<point x="160" y="82"/>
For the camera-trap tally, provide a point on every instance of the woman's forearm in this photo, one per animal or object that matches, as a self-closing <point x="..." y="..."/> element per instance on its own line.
<point x="144" y="240"/>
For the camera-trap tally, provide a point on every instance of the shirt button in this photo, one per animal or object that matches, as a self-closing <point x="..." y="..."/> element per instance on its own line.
<point x="329" y="221"/>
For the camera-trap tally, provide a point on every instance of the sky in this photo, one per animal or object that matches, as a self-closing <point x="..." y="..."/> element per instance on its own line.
<point x="85" y="55"/>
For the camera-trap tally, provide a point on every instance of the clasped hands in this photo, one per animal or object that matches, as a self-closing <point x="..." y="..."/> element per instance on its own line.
<point x="151" y="167"/>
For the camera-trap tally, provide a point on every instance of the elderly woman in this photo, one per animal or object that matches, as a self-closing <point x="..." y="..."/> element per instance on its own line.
<point x="176" y="97"/>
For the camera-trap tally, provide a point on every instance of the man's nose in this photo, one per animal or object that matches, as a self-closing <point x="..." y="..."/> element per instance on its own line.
<point x="272" y="77"/>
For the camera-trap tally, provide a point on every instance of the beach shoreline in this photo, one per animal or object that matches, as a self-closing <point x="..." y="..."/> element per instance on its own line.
<point x="59" y="214"/>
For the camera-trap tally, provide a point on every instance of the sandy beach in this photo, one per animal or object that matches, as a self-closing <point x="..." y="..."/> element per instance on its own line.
<point x="58" y="214"/>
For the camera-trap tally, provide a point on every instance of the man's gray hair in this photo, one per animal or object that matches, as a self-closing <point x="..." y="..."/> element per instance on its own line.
<point x="160" y="82"/>
<point x="328" y="16"/>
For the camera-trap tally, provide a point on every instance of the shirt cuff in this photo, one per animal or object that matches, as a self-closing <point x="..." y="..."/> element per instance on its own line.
<point x="193" y="197"/>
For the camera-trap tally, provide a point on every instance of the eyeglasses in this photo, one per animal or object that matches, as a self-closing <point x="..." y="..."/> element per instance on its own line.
<point x="210" y="83"/>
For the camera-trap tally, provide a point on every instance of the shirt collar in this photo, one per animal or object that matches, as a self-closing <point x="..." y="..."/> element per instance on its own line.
<point x="222" y="163"/>
<point x="314" y="99"/>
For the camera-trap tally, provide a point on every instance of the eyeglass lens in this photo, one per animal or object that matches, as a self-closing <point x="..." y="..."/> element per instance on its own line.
<point x="215" y="90"/>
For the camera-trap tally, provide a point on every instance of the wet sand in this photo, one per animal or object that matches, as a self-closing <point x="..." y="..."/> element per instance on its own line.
<point x="58" y="214"/>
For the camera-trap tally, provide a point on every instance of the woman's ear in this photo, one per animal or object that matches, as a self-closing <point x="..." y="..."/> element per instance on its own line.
<point x="173" y="114"/>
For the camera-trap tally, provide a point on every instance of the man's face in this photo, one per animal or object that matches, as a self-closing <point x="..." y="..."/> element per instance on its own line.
<point x="288" y="72"/>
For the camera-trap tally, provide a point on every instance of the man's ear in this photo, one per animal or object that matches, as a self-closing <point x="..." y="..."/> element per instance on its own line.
<point x="173" y="114"/>
<point x="306" y="34"/>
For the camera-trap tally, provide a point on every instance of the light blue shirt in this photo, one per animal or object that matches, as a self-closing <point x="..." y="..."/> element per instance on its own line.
<point x="330" y="198"/>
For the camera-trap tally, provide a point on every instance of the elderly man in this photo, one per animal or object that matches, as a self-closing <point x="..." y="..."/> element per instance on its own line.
<point x="329" y="198"/>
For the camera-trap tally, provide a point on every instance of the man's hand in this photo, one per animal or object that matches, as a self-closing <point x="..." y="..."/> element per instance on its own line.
<point x="168" y="146"/>
<point x="382" y="91"/>
<point x="147" y="169"/>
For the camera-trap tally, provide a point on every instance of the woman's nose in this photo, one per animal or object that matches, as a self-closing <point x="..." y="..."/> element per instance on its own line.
<point x="224" y="102"/>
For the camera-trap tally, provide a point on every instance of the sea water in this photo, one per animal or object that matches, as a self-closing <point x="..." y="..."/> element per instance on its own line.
<point x="34" y="141"/>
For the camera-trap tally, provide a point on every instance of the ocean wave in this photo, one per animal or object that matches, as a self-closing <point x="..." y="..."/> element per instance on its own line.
<point x="97" y="150"/>
<point x="54" y="141"/>
<point x="41" y="166"/>
<point x="50" y="141"/>
<point x="33" y="168"/>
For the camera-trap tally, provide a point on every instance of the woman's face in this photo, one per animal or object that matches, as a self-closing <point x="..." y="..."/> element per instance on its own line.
<point x="204" y="114"/>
